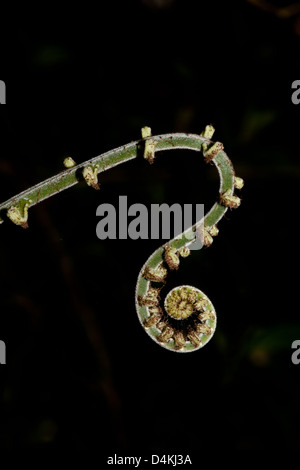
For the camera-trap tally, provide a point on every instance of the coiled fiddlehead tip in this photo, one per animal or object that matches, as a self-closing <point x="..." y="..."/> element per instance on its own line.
<point x="187" y="319"/>
<point x="161" y="326"/>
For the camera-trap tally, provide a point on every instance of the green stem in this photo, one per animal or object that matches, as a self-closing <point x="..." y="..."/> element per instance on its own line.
<point x="168" y="337"/>
<point x="69" y="177"/>
<point x="144" y="285"/>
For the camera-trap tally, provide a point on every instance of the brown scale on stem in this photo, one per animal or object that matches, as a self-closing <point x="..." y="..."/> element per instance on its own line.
<point x="155" y="316"/>
<point x="179" y="340"/>
<point x="212" y="152"/>
<point x="171" y="257"/>
<point x="157" y="275"/>
<point x="194" y="339"/>
<point x="229" y="200"/>
<point x="166" y="335"/>
<point x="151" y="298"/>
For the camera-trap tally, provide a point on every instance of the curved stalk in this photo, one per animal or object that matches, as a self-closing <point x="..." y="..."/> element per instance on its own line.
<point x="71" y="176"/>
<point x="196" y="322"/>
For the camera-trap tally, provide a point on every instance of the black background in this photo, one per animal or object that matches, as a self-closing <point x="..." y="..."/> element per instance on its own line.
<point x="81" y="373"/>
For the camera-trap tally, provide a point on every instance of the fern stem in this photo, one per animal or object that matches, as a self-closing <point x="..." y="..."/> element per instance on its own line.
<point x="71" y="176"/>
<point x="152" y="277"/>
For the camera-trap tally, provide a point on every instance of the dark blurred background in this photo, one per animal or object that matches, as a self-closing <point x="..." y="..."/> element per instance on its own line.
<point x="81" y="373"/>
